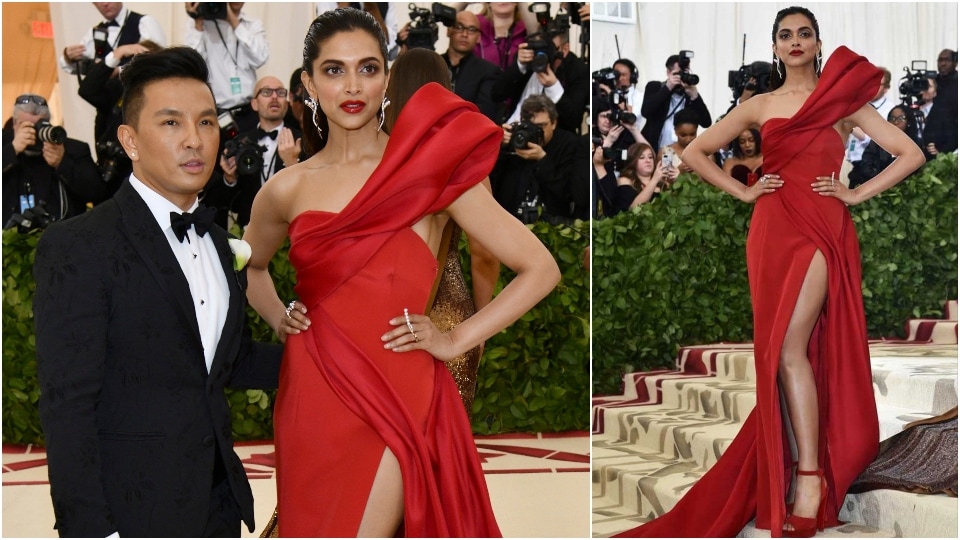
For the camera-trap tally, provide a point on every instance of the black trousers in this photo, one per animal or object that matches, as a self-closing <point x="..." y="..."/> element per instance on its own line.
<point x="223" y="519"/>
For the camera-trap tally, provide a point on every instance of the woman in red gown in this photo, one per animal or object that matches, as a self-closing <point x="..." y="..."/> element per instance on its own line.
<point x="803" y="264"/>
<point x="369" y="428"/>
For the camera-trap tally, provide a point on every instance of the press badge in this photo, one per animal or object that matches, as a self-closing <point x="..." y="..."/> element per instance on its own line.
<point x="26" y="202"/>
<point x="235" y="85"/>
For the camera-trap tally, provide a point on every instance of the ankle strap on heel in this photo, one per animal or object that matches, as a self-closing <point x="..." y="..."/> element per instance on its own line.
<point x="818" y="472"/>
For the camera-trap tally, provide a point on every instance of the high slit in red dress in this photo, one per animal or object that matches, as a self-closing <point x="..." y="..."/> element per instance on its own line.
<point x="786" y="230"/>
<point x="344" y="398"/>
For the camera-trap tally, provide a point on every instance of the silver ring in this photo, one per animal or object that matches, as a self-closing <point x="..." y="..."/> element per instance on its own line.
<point x="763" y="179"/>
<point x="406" y="315"/>
<point x="290" y="307"/>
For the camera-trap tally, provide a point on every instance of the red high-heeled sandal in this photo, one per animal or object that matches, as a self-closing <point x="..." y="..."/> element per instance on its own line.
<point x="807" y="527"/>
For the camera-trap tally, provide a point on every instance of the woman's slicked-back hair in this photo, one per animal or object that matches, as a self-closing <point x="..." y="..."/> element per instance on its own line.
<point x="321" y="29"/>
<point x="145" y="68"/>
<point x="775" y="80"/>
<point x="411" y="71"/>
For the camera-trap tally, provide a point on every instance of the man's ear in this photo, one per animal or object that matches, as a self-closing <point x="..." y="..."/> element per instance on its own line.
<point x="128" y="140"/>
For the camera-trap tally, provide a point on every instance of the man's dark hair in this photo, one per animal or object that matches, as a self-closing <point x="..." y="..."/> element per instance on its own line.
<point x="538" y="104"/>
<point x="146" y="68"/>
<point x="671" y="60"/>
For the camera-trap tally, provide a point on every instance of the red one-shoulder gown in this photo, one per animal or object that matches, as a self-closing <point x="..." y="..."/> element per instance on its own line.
<point x="786" y="230"/>
<point x="343" y="397"/>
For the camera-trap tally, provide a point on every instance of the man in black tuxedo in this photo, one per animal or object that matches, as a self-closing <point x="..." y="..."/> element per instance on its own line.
<point x="472" y="77"/>
<point x="663" y="100"/>
<point x="140" y="324"/>
<point x="233" y="188"/>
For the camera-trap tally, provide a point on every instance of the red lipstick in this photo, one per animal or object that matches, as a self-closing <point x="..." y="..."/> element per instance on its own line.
<point x="796" y="53"/>
<point x="352" y="107"/>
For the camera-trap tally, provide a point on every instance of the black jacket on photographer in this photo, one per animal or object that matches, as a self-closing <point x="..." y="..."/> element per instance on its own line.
<point x="238" y="198"/>
<point x="572" y="73"/>
<point x="656" y="109"/>
<point x="558" y="180"/>
<point x="104" y="92"/>
<point x="473" y="79"/>
<point x="64" y="191"/>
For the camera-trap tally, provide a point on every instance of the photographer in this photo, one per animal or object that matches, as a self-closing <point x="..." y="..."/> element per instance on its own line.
<point x="472" y="77"/>
<point x="940" y="123"/>
<point x="234" y="46"/>
<point x="254" y="156"/>
<point x="622" y="80"/>
<point x="42" y="168"/>
<point x="947" y="80"/>
<point x="544" y="179"/>
<point x="120" y="26"/>
<point x="858" y="140"/>
<point x="663" y="100"/>
<point x="102" y="88"/>
<point x="560" y="75"/>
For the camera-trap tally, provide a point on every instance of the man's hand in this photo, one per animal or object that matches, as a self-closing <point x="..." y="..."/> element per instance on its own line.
<point x="533" y="152"/>
<point x="932" y="149"/>
<point x="402" y="37"/>
<point x="26" y="135"/>
<point x="233" y="16"/>
<point x="691" y="91"/>
<point x="507" y="134"/>
<point x="613" y="135"/>
<point x="131" y="49"/>
<point x="673" y="80"/>
<point x="229" y="166"/>
<point x="287" y="148"/>
<point x="547" y="78"/>
<point x="524" y="54"/>
<point x="72" y="53"/>
<point x="53" y="153"/>
<point x="584" y="12"/>
<point x="191" y="8"/>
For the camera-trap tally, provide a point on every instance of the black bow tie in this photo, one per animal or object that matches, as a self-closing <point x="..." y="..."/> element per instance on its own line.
<point x="200" y="220"/>
<point x="261" y="134"/>
<point x="105" y="24"/>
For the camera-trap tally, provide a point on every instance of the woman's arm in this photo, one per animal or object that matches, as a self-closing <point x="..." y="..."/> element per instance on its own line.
<point x="698" y="154"/>
<point x="908" y="158"/>
<point x="509" y="240"/>
<point x="649" y="189"/>
<point x="265" y="232"/>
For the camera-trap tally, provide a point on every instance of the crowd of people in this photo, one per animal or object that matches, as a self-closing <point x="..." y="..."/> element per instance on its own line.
<point x="497" y="58"/>
<point x="666" y="116"/>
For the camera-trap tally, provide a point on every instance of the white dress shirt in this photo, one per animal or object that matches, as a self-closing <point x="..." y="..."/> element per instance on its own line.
<point x="533" y="88"/>
<point x="668" y="135"/>
<point x="201" y="267"/>
<point x="150" y="29"/>
<point x="237" y="55"/>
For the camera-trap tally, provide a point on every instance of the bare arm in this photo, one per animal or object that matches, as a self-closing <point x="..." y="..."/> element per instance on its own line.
<point x="511" y="242"/>
<point x="265" y="233"/>
<point x="909" y="157"/>
<point x="484" y="268"/>
<point x="697" y="154"/>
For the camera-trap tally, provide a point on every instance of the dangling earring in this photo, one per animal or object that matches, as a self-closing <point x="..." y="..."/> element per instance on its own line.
<point x="310" y="102"/>
<point x="818" y="62"/>
<point x="778" y="64"/>
<point x="383" y="111"/>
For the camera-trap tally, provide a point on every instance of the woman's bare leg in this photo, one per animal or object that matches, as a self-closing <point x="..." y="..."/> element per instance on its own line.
<point x="799" y="387"/>
<point x="384" y="510"/>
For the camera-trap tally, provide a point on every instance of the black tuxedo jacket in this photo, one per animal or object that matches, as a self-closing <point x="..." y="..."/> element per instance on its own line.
<point x="474" y="83"/>
<point x="131" y="417"/>
<point x="572" y="73"/>
<point x="239" y="197"/>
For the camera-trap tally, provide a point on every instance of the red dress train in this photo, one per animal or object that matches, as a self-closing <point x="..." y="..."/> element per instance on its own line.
<point x="787" y="228"/>
<point x="343" y="397"/>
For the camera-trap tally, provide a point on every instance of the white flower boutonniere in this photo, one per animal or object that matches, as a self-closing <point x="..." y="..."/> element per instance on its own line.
<point x="241" y="253"/>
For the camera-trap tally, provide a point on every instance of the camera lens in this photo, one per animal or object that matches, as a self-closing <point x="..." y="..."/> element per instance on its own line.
<point x="50" y="133"/>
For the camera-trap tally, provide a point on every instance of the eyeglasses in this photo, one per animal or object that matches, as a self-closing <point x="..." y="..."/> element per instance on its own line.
<point x="267" y="92"/>
<point x="31" y="98"/>
<point x="901" y="118"/>
<point x="471" y="30"/>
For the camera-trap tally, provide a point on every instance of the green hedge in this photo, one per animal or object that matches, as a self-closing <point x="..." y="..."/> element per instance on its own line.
<point x="534" y="375"/>
<point x="673" y="272"/>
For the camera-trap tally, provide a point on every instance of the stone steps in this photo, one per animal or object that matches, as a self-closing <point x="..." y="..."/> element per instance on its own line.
<point x="652" y="442"/>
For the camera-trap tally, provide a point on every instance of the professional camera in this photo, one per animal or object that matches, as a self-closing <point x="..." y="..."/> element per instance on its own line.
<point x="740" y="80"/>
<point x="210" y="11"/>
<point x="110" y="155"/>
<point x="423" y="32"/>
<point x="617" y="156"/>
<point x="915" y="81"/>
<point x="686" y="77"/>
<point x="36" y="217"/>
<point x="46" y="133"/>
<point x="610" y="101"/>
<point x="249" y="154"/>
<point x="523" y="133"/>
<point x="544" y="51"/>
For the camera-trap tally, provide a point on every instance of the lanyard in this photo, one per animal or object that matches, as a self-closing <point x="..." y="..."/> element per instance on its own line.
<point x="236" y="55"/>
